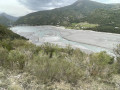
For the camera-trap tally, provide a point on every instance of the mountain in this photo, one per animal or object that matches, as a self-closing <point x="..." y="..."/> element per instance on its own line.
<point x="102" y="16"/>
<point x="6" y="19"/>
<point x="9" y="16"/>
<point x="106" y="16"/>
<point x="64" y="15"/>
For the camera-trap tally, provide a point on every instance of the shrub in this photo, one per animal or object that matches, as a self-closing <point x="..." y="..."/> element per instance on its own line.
<point x="7" y="44"/>
<point x="117" y="53"/>
<point x="54" y="69"/>
<point x="17" y="59"/>
<point x="100" y="64"/>
<point x="50" y="49"/>
<point x="3" y="57"/>
<point x="69" y="50"/>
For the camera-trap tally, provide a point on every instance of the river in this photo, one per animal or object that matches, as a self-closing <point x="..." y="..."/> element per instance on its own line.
<point x="85" y="40"/>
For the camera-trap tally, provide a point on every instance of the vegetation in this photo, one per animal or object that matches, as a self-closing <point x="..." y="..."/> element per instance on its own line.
<point x="6" y="33"/>
<point x="100" y="20"/>
<point x="99" y="17"/>
<point x="24" y="65"/>
<point x="82" y="25"/>
<point x="108" y="20"/>
<point x="62" y="16"/>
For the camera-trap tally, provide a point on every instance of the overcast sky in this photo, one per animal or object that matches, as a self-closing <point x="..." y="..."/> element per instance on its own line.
<point x="23" y="7"/>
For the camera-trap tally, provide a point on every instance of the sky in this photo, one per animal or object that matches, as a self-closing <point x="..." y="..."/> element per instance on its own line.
<point x="23" y="7"/>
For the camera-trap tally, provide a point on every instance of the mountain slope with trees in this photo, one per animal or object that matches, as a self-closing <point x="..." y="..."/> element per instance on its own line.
<point x="64" y="15"/>
<point x="106" y="16"/>
<point x="107" y="20"/>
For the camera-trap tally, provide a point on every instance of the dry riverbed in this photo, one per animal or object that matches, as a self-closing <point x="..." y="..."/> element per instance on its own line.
<point x="84" y="39"/>
<point x="100" y="39"/>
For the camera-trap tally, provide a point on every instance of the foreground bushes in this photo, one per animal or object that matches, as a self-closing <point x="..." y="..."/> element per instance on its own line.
<point x="50" y="70"/>
<point x="49" y="63"/>
<point x="101" y="64"/>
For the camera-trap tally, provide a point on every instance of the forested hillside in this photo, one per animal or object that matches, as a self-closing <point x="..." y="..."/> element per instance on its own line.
<point x="105" y="16"/>
<point x="64" y="15"/>
<point x="105" y="21"/>
<point x="108" y="20"/>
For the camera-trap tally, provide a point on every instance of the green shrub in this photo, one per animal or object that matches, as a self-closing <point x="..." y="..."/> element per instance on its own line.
<point x="101" y="64"/>
<point x="69" y="50"/>
<point x="17" y="59"/>
<point x="54" y="69"/>
<point x="3" y="57"/>
<point x="50" y="49"/>
<point x="49" y="64"/>
<point x="117" y="53"/>
<point x="7" y="44"/>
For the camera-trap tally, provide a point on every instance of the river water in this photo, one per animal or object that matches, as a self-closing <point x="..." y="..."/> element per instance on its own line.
<point x="41" y="34"/>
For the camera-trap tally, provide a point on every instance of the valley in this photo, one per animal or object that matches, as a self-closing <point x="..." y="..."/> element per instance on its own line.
<point x="47" y="45"/>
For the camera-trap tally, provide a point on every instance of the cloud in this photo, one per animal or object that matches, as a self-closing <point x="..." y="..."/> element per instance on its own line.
<point x="45" y="4"/>
<point x="13" y="7"/>
<point x="114" y="1"/>
<point x="108" y="1"/>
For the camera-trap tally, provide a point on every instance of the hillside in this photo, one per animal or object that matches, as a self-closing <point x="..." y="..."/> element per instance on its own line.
<point x="64" y="15"/>
<point x="107" y="20"/>
<point x="8" y="34"/>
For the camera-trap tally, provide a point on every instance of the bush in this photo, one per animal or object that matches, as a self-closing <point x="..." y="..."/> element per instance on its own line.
<point x="54" y="69"/>
<point x="49" y="64"/>
<point x="117" y="53"/>
<point x="3" y="57"/>
<point x="17" y="59"/>
<point x="50" y="49"/>
<point x="101" y="64"/>
<point x="7" y="44"/>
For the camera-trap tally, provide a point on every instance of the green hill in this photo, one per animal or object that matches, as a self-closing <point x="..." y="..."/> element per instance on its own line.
<point x="108" y="20"/>
<point x="106" y="16"/>
<point x="64" y="15"/>
<point x="8" y="34"/>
